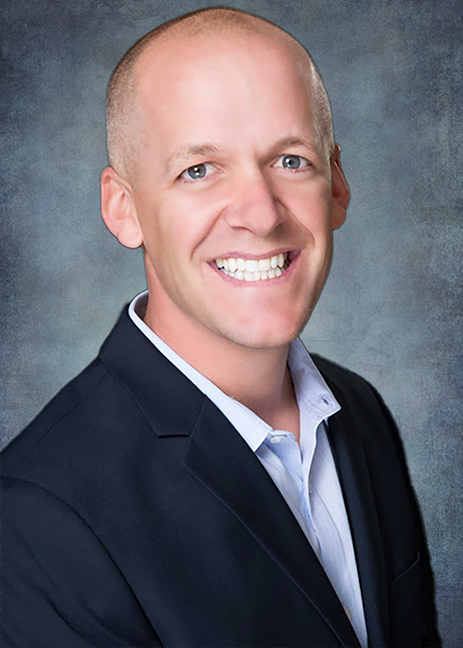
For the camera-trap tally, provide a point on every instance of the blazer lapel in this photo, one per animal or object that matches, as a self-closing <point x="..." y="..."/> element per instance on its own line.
<point x="355" y="482"/>
<point x="223" y="462"/>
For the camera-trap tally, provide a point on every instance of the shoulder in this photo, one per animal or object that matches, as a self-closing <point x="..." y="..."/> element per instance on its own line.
<point x="362" y="406"/>
<point x="66" y="402"/>
<point x="103" y="429"/>
<point x="67" y="422"/>
<point x="345" y="382"/>
<point x="334" y="371"/>
<point x="75" y="424"/>
<point x="81" y="442"/>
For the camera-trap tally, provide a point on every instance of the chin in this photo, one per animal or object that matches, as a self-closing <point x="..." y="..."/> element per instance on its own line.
<point x="273" y="336"/>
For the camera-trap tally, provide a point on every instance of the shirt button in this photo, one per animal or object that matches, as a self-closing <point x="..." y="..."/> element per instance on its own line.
<point x="347" y="610"/>
<point x="278" y="438"/>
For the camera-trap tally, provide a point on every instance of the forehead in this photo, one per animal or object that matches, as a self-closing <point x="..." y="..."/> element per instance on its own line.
<point x="224" y="85"/>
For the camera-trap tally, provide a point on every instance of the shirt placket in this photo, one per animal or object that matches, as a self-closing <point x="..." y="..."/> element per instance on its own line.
<point x="287" y="455"/>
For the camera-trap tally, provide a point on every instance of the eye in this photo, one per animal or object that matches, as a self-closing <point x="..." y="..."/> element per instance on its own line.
<point x="292" y="162"/>
<point x="197" y="171"/>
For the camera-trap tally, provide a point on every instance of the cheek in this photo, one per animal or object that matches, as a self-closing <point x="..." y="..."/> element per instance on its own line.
<point x="310" y="203"/>
<point x="172" y="239"/>
<point x="314" y="218"/>
<point x="187" y="222"/>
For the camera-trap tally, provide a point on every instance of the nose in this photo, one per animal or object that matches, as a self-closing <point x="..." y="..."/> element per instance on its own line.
<point x="255" y="206"/>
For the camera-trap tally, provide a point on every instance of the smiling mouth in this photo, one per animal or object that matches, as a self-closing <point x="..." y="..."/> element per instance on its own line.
<point x="255" y="269"/>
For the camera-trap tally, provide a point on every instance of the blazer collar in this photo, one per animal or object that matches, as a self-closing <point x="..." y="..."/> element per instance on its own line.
<point x="151" y="379"/>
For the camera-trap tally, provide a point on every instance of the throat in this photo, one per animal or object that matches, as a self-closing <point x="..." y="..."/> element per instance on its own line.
<point x="279" y="409"/>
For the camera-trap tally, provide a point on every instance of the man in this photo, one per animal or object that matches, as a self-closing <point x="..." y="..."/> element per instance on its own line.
<point x="202" y="483"/>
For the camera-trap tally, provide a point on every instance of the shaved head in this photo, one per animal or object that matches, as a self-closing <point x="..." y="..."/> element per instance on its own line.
<point x="123" y="111"/>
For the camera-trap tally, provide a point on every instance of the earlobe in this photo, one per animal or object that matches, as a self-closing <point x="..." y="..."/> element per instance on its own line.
<point x="340" y="190"/>
<point x="118" y="209"/>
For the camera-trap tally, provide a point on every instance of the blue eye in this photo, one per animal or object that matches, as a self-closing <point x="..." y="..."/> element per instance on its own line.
<point x="292" y="162"/>
<point x="197" y="171"/>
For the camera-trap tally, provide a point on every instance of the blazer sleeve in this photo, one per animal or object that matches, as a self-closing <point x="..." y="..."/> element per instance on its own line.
<point x="59" y="586"/>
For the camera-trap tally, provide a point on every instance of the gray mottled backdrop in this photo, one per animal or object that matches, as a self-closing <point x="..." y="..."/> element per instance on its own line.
<point x="392" y="307"/>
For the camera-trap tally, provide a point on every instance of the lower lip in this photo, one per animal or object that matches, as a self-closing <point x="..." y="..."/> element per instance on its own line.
<point x="260" y="282"/>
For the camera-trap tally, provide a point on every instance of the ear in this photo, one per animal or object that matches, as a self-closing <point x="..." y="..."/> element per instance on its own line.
<point x="339" y="190"/>
<point x="118" y="209"/>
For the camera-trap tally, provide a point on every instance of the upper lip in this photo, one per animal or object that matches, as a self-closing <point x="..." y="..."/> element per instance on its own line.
<point x="248" y="255"/>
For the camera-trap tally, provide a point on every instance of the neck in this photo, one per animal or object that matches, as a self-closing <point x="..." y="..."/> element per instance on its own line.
<point x="257" y="378"/>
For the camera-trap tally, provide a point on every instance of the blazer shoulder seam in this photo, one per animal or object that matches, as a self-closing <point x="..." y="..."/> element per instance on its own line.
<point x="58" y="420"/>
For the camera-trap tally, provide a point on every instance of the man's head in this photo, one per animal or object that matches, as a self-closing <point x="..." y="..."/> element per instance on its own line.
<point x="220" y="139"/>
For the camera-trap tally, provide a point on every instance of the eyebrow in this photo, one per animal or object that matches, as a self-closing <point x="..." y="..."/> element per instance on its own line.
<point x="289" y="141"/>
<point x="188" y="151"/>
<point x="185" y="153"/>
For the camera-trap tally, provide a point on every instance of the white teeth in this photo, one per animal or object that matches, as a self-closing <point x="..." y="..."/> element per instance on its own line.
<point x="232" y="265"/>
<point x="241" y="264"/>
<point x="252" y="265"/>
<point x="254" y="269"/>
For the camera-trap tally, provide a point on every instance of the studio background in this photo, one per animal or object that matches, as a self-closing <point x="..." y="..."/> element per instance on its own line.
<point x="392" y="306"/>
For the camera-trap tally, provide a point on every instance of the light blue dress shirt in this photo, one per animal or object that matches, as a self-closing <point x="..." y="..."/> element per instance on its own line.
<point x="304" y="473"/>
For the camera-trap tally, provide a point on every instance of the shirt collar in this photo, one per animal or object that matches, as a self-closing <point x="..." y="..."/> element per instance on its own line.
<point x="312" y="392"/>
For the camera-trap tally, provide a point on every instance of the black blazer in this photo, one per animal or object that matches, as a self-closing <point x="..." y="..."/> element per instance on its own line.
<point x="134" y="514"/>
